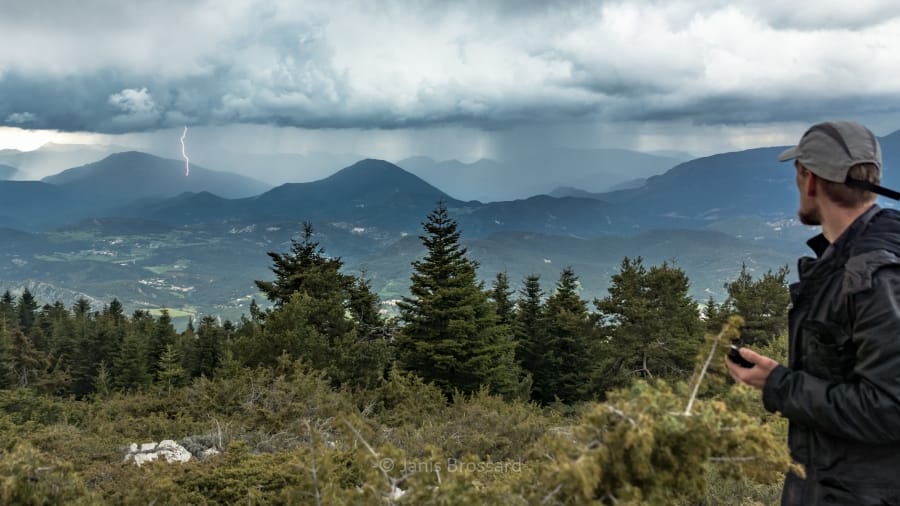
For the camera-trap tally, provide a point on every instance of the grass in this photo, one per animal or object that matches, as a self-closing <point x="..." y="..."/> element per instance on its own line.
<point x="173" y="313"/>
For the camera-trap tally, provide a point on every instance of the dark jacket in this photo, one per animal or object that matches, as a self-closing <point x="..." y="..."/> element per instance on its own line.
<point x="841" y="389"/>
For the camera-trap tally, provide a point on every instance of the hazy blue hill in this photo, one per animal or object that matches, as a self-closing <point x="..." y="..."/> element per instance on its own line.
<point x="750" y="182"/>
<point x="184" y="209"/>
<point x="530" y="173"/>
<point x="366" y="194"/>
<point x="123" y="177"/>
<point x="593" y="169"/>
<point x="275" y="168"/>
<point x="32" y="205"/>
<point x="727" y="185"/>
<point x="890" y="145"/>
<point x="117" y="226"/>
<point x="13" y="240"/>
<point x="369" y="192"/>
<point x="52" y="158"/>
<point x="7" y="172"/>
<point x="570" y="191"/>
<point x="482" y="180"/>
<point x="540" y="213"/>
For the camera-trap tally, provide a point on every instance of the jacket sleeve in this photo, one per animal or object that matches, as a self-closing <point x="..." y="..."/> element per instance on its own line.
<point x="867" y="410"/>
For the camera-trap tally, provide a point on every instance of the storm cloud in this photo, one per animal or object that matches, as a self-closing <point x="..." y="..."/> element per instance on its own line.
<point x="116" y="67"/>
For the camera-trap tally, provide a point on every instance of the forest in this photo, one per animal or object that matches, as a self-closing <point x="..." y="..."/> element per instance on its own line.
<point x="470" y="393"/>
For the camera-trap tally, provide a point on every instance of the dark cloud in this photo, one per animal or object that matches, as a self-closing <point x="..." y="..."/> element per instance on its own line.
<point x="122" y="67"/>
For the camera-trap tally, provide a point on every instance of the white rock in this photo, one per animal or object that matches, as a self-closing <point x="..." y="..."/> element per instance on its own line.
<point x="173" y="452"/>
<point x="141" y="458"/>
<point x="397" y="492"/>
<point x="168" y="449"/>
<point x="209" y="452"/>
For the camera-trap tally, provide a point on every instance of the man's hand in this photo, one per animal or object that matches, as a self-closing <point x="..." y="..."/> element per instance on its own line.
<point x="754" y="376"/>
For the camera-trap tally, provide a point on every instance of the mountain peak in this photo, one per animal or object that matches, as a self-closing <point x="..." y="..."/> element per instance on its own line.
<point x="373" y="172"/>
<point x="370" y="165"/>
<point x="134" y="174"/>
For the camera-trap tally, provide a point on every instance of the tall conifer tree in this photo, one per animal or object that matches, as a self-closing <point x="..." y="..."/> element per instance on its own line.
<point x="568" y="354"/>
<point x="529" y="329"/>
<point x="501" y="295"/>
<point x="451" y="334"/>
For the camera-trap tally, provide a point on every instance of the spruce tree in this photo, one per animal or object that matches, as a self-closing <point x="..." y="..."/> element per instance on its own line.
<point x="26" y="307"/>
<point x="103" y="383"/>
<point x="130" y="367"/>
<point x="8" y="309"/>
<point x="23" y="364"/>
<point x="501" y="295"/>
<point x="162" y="335"/>
<point x="530" y="333"/>
<point x="568" y="351"/>
<point x="363" y="304"/>
<point x="210" y="347"/>
<point x="306" y="269"/>
<point x="451" y="334"/>
<point x="321" y="315"/>
<point x="84" y="350"/>
<point x="170" y="373"/>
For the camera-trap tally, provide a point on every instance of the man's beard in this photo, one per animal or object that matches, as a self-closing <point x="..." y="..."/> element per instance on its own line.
<point x="809" y="217"/>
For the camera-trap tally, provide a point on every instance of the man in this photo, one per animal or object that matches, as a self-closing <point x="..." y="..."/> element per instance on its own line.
<point x="841" y="388"/>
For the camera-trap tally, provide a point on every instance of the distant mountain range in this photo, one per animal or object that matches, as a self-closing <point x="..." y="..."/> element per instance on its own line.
<point x="486" y="180"/>
<point x="7" y="172"/>
<point x="380" y="195"/>
<point x="52" y="158"/>
<point x="524" y="175"/>
<point x="133" y="226"/>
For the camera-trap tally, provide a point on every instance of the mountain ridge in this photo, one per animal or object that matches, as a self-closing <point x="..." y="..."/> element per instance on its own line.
<point x="131" y="175"/>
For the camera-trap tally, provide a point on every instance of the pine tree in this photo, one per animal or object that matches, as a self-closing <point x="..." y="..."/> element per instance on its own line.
<point x="103" y="383"/>
<point x="26" y="307"/>
<point x="763" y="304"/>
<point x="170" y="373"/>
<point x="84" y="358"/>
<point x="451" y="334"/>
<point x="109" y="333"/>
<point x="130" y="367"/>
<point x="210" y="346"/>
<point x="568" y="349"/>
<point x="363" y="304"/>
<point x="8" y="309"/>
<point x="652" y="326"/>
<point x="305" y="268"/>
<point x="501" y="295"/>
<point x="23" y="364"/>
<point x="714" y="315"/>
<point x="162" y="335"/>
<point x="531" y="334"/>
<point x="342" y="311"/>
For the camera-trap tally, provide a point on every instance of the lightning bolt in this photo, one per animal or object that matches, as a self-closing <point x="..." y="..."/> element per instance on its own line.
<point x="187" y="161"/>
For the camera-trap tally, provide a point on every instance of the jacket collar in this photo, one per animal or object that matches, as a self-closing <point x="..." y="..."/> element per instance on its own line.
<point x="826" y="251"/>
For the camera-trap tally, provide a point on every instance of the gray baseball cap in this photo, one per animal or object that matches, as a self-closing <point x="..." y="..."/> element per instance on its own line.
<point x="829" y="149"/>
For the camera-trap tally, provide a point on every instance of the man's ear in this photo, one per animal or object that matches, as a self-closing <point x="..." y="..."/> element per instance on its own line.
<point x="811" y="185"/>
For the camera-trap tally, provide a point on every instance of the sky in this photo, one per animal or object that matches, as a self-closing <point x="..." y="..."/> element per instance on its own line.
<point x="464" y="80"/>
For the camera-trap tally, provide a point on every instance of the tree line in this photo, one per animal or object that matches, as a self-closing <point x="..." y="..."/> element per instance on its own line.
<point x="541" y="343"/>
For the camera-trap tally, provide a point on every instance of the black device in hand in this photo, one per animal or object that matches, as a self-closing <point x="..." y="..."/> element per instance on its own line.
<point x="736" y="357"/>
